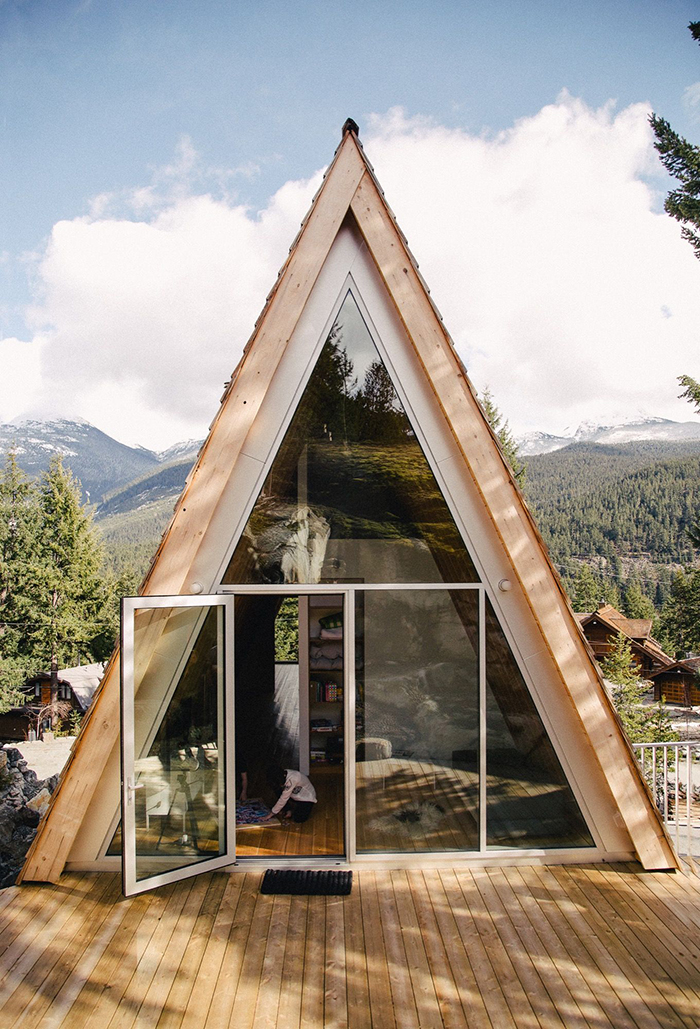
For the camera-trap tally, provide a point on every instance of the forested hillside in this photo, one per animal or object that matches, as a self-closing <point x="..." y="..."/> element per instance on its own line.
<point x="623" y="509"/>
<point x="592" y="499"/>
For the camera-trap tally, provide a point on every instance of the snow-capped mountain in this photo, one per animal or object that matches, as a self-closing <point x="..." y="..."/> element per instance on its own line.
<point x="179" y="451"/>
<point x="97" y="460"/>
<point x="659" y="430"/>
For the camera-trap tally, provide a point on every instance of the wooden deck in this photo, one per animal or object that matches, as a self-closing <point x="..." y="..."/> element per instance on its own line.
<point x="508" y="948"/>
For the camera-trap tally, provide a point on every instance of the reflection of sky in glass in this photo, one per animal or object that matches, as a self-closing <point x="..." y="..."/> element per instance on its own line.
<point x="355" y="339"/>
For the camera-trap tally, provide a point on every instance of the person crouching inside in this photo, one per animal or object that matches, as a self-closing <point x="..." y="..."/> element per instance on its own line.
<point x="296" y="794"/>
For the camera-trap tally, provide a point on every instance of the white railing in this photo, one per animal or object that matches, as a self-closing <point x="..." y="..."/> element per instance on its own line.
<point x="672" y="771"/>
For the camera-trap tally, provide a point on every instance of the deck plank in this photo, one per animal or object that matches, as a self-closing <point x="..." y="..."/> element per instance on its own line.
<point x="357" y="984"/>
<point x="642" y="999"/>
<point x="82" y="975"/>
<point x="521" y="944"/>
<point x="379" y="988"/>
<point x="293" y="969"/>
<point x="192" y="955"/>
<point x="113" y="964"/>
<point x="532" y="947"/>
<point x="232" y="961"/>
<point x="564" y="951"/>
<point x="424" y="993"/>
<point x="47" y="976"/>
<point x="270" y="983"/>
<point x="486" y="980"/>
<point x="641" y="950"/>
<point x="313" y="982"/>
<point x="200" y="998"/>
<point x="335" y="1004"/>
<point x="453" y="977"/>
<point x="487" y="925"/>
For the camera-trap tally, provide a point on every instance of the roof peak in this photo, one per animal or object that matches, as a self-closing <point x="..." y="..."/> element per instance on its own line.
<point x="351" y="126"/>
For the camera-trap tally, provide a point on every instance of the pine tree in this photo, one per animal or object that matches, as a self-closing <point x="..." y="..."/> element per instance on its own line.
<point x="682" y="160"/>
<point x="643" y="724"/>
<point x="637" y="604"/>
<point x="18" y="538"/>
<point x="70" y="596"/>
<point x="56" y="608"/>
<point x="691" y="392"/>
<point x="505" y="437"/>
<point x="680" y="615"/>
<point x="586" y="591"/>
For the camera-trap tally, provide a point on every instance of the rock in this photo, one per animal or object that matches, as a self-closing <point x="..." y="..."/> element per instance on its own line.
<point x="23" y="800"/>
<point x="40" y="801"/>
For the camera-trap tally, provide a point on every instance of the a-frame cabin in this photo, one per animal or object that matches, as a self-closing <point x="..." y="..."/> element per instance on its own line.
<point x="352" y="585"/>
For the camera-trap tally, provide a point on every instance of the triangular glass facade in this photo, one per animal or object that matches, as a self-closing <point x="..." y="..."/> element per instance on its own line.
<point x="350" y="496"/>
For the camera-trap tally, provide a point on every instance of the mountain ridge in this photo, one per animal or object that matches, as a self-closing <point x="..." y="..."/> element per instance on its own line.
<point x="651" y="428"/>
<point x="99" y="462"/>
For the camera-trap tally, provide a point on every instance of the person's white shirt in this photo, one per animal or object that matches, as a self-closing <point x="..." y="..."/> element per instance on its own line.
<point x="297" y="786"/>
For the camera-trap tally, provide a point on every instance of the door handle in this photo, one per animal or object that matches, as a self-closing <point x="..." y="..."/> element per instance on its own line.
<point x="131" y="789"/>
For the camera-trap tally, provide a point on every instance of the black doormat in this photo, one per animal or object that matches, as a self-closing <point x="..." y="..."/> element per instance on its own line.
<point x="300" y="881"/>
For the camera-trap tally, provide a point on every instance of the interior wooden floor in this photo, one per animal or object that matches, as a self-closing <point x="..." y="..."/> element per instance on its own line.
<point x="403" y="805"/>
<point x="506" y="948"/>
<point x="321" y="836"/>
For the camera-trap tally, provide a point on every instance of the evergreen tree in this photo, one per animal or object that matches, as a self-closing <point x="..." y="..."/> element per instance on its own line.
<point x="70" y="597"/>
<point x="586" y="591"/>
<point x="682" y="160"/>
<point x="636" y="603"/>
<point x="691" y="392"/>
<point x="18" y="538"/>
<point x="56" y="608"/>
<point x="643" y="724"/>
<point x="505" y="437"/>
<point x="680" y="616"/>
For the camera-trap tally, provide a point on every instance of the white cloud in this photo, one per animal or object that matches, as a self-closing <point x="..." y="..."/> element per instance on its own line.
<point x="144" y="320"/>
<point x="564" y="288"/>
<point x="20" y="374"/>
<point x="691" y="98"/>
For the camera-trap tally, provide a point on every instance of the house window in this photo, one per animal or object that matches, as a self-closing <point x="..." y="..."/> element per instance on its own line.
<point x="350" y="496"/>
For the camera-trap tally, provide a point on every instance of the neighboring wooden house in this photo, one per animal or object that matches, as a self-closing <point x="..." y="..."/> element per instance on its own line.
<point x="679" y="682"/>
<point x="440" y="683"/>
<point x="75" y="690"/>
<point x="602" y="626"/>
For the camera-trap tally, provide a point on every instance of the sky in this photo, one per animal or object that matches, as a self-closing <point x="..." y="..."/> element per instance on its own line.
<point x="157" y="158"/>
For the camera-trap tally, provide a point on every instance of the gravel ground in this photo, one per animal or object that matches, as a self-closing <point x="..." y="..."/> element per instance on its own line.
<point x="45" y="758"/>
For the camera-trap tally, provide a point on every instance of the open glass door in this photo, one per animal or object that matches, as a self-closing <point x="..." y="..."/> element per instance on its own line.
<point x="177" y="738"/>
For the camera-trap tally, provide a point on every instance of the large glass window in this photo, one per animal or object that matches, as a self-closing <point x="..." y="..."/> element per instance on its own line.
<point x="529" y="801"/>
<point x="417" y="713"/>
<point x="350" y="496"/>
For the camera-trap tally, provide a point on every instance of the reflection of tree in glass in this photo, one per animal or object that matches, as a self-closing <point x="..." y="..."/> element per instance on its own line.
<point x="330" y="409"/>
<point x="382" y="419"/>
<point x="336" y="410"/>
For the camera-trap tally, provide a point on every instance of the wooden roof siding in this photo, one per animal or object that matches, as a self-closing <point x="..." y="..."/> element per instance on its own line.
<point x="350" y="190"/>
<point x="635" y="628"/>
<point x="564" y="947"/>
<point x="687" y="666"/>
<point x="643" y="642"/>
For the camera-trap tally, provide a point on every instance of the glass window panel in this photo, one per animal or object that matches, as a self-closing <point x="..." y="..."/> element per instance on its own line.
<point x="350" y="496"/>
<point x="529" y="801"/>
<point x="179" y="723"/>
<point x="417" y="704"/>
